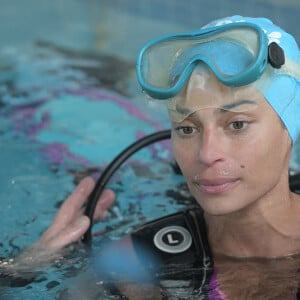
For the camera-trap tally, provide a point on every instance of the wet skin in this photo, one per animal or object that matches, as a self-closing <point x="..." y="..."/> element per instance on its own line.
<point x="229" y="159"/>
<point x="236" y="166"/>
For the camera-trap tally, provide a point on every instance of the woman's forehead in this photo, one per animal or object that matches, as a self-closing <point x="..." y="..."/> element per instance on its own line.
<point x="203" y="90"/>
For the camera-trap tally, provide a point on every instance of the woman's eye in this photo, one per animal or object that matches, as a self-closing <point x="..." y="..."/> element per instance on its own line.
<point x="185" y="130"/>
<point x="238" y="125"/>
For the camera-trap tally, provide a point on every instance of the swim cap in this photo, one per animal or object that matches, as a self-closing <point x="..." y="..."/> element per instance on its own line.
<point x="282" y="91"/>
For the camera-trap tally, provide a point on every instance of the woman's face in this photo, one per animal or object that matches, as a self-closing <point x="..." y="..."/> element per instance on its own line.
<point x="231" y="159"/>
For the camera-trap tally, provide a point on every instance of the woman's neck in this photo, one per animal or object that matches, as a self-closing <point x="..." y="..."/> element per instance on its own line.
<point x="268" y="228"/>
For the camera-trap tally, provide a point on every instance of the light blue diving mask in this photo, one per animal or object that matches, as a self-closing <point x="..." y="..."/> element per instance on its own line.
<point x="238" y="51"/>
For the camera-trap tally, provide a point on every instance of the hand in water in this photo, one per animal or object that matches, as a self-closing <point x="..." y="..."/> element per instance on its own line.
<point x="70" y="223"/>
<point x="69" y="226"/>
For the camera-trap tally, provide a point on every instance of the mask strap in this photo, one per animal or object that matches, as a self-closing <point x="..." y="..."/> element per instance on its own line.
<point x="290" y="68"/>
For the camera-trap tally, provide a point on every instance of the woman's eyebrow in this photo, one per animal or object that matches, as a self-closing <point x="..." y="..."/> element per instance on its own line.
<point x="231" y="106"/>
<point x="224" y="108"/>
<point x="184" y="110"/>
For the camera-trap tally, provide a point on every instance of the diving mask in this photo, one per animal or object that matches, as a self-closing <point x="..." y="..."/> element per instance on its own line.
<point x="237" y="53"/>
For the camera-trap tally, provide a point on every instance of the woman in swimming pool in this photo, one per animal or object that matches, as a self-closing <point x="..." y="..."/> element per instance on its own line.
<point x="233" y="95"/>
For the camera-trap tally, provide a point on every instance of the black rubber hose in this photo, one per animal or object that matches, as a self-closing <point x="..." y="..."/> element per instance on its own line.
<point x="295" y="182"/>
<point x="112" y="168"/>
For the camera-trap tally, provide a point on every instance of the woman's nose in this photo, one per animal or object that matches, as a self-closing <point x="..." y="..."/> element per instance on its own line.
<point x="211" y="147"/>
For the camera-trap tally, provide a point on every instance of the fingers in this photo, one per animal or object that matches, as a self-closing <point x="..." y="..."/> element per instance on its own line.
<point x="68" y="235"/>
<point x="77" y="199"/>
<point x="71" y="208"/>
<point x="106" y="200"/>
<point x="70" y="224"/>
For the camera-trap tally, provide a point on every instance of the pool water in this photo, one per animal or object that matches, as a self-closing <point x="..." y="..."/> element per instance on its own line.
<point x="61" y="122"/>
<point x="69" y="103"/>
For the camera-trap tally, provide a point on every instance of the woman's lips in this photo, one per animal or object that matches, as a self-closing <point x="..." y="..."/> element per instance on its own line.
<point x="217" y="185"/>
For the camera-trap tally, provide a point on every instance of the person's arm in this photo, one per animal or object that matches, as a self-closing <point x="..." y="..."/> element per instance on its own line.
<point x="68" y="227"/>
